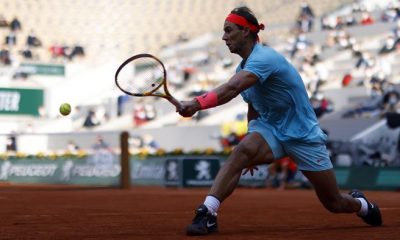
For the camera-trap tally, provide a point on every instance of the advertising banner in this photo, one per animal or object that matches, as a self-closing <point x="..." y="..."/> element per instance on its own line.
<point x="87" y="171"/>
<point x="147" y="172"/>
<point x="199" y="171"/>
<point x="18" y="101"/>
<point x="43" y="69"/>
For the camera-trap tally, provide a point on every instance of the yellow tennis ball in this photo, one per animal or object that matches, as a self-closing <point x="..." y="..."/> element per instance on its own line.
<point x="65" y="109"/>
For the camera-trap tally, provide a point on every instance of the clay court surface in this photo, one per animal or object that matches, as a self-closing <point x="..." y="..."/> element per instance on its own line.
<point x="162" y="213"/>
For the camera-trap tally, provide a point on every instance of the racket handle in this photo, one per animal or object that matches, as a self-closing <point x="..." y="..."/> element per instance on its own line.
<point x="175" y="102"/>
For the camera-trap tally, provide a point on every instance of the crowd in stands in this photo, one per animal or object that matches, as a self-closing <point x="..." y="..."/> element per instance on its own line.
<point x="359" y="15"/>
<point x="371" y="69"/>
<point x="380" y="102"/>
<point x="13" y="50"/>
<point x="65" y="52"/>
<point x="194" y="77"/>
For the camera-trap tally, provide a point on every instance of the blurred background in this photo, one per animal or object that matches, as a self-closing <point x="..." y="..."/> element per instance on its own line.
<point x="52" y="52"/>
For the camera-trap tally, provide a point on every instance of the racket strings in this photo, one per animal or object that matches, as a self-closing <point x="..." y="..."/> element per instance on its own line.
<point x="141" y="76"/>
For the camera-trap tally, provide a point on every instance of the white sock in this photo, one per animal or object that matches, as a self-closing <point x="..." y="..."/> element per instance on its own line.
<point x="212" y="203"/>
<point x="364" y="207"/>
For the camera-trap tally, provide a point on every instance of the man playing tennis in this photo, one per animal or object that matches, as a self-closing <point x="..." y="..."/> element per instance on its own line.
<point x="281" y="123"/>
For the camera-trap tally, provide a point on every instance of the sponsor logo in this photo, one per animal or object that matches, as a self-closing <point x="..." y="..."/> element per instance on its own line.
<point x="210" y="224"/>
<point x="203" y="170"/>
<point x="172" y="171"/>
<point x="9" y="169"/>
<point x="71" y="169"/>
<point x="148" y="171"/>
<point x="9" y="101"/>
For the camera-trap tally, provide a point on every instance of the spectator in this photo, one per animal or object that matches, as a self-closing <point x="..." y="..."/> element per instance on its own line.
<point x="321" y="105"/>
<point x="91" y="120"/>
<point x="57" y="51"/>
<point x="392" y="102"/>
<point x="149" y="143"/>
<point x="366" y="19"/>
<point x="102" y="153"/>
<point x="121" y="101"/>
<point x="396" y="32"/>
<point x="150" y="112"/>
<point x="15" y="25"/>
<point x="32" y="40"/>
<point x="100" y="144"/>
<point x="5" y="58"/>
<point x="77" y="51"/>
<point x="306" y="10"/>
<point x="347" y="78"/>
<point x="301" y="43"/>
<point x="344" y="39"/>
<point x="350" y="20"/>
<point x="231" y="140"/>
<point x="72" y="147"/>
<point x="11" y="145"/>
<point x="27" y="53"/>
<point x="389" y="45"/>
<point x="391" y="99"/>
<point x="391" y="13"/>
<point x="364" y="60"/>
<point x="139" y="115"/>
<point x="282" y="173"/>
<point x="370" y="105"/>
<point x="305" y="20"/>
<point x="3" y="21"/>
<point x="11" y="39"/>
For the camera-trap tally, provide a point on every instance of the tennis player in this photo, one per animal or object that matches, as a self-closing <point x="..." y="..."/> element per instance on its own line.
<point x="281" y="123"/>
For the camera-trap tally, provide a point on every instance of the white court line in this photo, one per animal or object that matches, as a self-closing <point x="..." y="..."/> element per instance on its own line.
<point x="395" y="208"/>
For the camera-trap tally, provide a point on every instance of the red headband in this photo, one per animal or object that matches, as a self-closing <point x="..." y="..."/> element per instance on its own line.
<point x="241" y="21"/>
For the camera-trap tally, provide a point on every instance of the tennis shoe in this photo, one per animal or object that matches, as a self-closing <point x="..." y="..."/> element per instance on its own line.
<point x="373" y="216"/>
<point x="204" y="222"/>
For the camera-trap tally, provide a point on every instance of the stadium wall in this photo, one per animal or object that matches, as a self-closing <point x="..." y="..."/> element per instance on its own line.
<point x="103" y="169"/>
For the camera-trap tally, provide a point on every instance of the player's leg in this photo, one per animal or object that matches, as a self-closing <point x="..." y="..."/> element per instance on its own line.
<point x="313" y="159"/>
<point x="259" y="146"/>
<point x="326" y="188"/>
<point x="252" y="150"/>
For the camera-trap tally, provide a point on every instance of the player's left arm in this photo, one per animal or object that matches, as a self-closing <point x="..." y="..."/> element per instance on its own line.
<point x="220" y="95"/>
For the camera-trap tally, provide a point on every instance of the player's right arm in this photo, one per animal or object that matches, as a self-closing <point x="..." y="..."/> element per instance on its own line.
<point x="220" y="95"/>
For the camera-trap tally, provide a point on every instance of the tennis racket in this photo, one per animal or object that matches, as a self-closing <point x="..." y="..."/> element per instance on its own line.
<point x="144" y="75"/>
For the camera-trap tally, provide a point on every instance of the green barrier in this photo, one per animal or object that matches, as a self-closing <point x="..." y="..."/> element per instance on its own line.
<point x="176" y="171"/>
<point x="149" y="171"/>
<point x="180" y="171"/>
<point x="388" y="179"/>
<point x="199" y="171"/>
<point x="368" y="178"/>
<point x="186" y="171"/>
